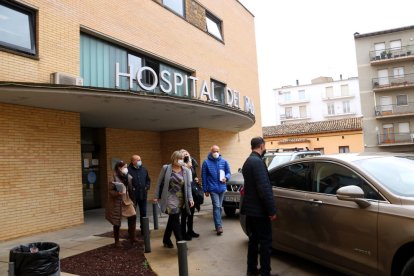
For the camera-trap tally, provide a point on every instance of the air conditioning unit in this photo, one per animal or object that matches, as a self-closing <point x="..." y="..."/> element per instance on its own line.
<point x="66" y="79"/>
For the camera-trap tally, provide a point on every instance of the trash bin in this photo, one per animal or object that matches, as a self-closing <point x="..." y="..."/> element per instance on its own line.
<point x="38" y="258"/>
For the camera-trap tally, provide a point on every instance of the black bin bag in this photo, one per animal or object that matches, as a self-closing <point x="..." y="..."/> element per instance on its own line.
<point x="38" y="258"/>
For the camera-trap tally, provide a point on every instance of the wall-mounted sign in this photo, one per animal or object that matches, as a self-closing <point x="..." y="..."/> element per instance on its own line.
<point x="181" y="82"/>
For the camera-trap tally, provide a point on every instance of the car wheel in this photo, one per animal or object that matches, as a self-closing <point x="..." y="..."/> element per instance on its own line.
<point x="230" y="212"/>
<point x="408" y="268"/>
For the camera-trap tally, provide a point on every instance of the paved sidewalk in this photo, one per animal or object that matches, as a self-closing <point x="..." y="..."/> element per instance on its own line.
<point x="78" y="239"/>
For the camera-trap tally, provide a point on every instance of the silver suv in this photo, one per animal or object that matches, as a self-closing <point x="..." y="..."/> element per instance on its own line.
<point x="272" y="159"/>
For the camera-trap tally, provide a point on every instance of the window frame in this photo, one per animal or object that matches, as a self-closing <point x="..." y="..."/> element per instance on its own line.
<point x="218" y="22"/>
<point x="32" y="16"/>
<point x="404" y="103"/>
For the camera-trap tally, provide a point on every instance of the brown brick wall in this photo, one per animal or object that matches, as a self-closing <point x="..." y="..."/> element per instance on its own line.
<point x="40" y="173"/>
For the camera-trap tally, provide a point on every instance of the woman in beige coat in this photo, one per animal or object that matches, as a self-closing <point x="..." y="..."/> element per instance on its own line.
<point x="119" y="203"/>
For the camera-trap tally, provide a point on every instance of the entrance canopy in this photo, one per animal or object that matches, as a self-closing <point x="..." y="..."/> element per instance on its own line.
<point x="108" y="108"/>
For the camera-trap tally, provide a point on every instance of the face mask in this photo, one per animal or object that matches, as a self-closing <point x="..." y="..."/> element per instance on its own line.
<point x="186" y="159"/>
<point x="139" y="163"/>
<point x="216" y="155"/>
<point x="263" y="153"/>
<point x="124" y="170"/>
<point x="180" y="162"/>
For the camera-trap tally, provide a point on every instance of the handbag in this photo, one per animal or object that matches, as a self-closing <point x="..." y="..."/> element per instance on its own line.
<point x="198" y="193"/>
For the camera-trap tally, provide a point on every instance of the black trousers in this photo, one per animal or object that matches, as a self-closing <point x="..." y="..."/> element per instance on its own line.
<point x="142" y="205"/>
<point x="173" y="225"/>
<point x="260" y="240"/>
<point x="187" y="221"/>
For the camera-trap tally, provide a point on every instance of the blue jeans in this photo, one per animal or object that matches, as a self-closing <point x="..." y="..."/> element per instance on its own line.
<point x="217" y="200"/>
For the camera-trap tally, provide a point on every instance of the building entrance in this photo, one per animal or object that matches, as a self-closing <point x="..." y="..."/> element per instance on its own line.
<point x="91" y="182"/>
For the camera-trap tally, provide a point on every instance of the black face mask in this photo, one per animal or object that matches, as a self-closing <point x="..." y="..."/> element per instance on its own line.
<point x="186" y="159"/>
<point x="263" y="153"/>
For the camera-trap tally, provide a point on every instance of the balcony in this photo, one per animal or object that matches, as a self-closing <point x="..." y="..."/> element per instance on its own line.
<point x="395" y="139"/>
<point x="289" y="118"/>
<point x="336" y="115"/>
<point x="391" y="55"/>
<point x="393" y="83"/>
<point x="337" y="97"/>
<point x="283" y="101"/>
<point x="393" y="110"/>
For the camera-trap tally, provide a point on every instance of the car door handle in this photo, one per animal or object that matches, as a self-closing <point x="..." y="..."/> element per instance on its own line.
<point x="315" y="201"/>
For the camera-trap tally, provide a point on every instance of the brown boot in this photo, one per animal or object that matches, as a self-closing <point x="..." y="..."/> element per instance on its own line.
<point x="132" y="225"/>
<point x="116" y="235"/>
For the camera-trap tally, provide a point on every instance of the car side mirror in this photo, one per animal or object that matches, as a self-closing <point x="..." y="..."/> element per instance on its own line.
<point x="353" y="193"/>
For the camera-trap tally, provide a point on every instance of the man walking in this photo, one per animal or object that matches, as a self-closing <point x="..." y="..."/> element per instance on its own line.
<point x="259" y="208"/>
<point x="141" y="184"/>
<point x="215" y="172"/>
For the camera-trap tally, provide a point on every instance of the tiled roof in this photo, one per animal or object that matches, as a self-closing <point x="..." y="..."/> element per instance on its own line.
<point x="314" y="127"/>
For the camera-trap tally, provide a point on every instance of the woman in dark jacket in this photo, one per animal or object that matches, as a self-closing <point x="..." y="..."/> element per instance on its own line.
<point x="174" y="193"/>
<point x="187" y="220"/>
<point x="119" y="203"/>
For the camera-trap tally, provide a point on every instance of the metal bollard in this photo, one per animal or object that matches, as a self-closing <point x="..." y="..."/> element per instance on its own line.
<point x="11" y="269"/>
<point x="154" y="214"/>
<point x="182" y="258"/>
<point x="145" y="229"/>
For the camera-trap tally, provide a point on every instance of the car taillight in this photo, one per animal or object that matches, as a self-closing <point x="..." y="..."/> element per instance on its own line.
<point x="242" y="191"/>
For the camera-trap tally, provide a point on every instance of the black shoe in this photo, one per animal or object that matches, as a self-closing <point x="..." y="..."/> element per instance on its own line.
<point x="193" y="234"/>
<point x="219" y="231"/>
<point x="168" y="244"/>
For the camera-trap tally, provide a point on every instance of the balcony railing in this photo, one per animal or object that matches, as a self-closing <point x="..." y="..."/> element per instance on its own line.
<point x="292" y="118"/>
<point x="393" y="109"/>
<point x="395" y="138"/>
<point x="391" y="53"/>
<point x="403" y="80"/>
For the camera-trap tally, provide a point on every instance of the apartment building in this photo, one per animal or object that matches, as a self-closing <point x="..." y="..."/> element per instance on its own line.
<point x="84" y="84"/>
<point x="386" y="79"/>
<point x="323" y="99"/>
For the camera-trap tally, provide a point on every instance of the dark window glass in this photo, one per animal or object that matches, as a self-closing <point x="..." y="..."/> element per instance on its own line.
<point x="148" y="78"/>
<point x="214" y="26"/>
<point x="219" y="91"/>
<point x="17" y="28"/>
<point x="294" y="176"/>
<point x="330" y="177"/>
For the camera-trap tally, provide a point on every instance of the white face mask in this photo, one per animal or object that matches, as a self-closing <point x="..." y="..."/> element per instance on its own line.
<point x="139" y="163"/>
<point x="124" y="170"/>
<point x="181" y="162"/>
<point x="216" y="155"/>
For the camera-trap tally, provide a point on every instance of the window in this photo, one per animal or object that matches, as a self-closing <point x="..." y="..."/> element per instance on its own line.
<point x="175" y="5"/>
<point x="286" y="96"/>
<point x="343" y="149"/>
<point x="402" y="100"/>
<point x="404" y="127"/>
<point x="344" y="90"/>
<point x="330" y="177"/>
<point x="399" y="72"/>
<point x="329" y="92"/>
<point x="379" y="48"/>
<point x="302" y="111"/>
<point x="17" y="28"/>
<point x="346" y="107"/>
<point x="395" y="45"/>
<point x="292" y="177"/>
<point x="322" y="150"/>
<point x="331" y="109"/>
<point x="219" y="91"/>
<point x="288" y="112"/>
<point x="213" y="26"/>
<point x="301" y="94"/>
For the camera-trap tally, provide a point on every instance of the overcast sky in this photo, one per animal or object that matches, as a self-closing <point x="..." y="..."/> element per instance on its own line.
<point x="304" y="39"/>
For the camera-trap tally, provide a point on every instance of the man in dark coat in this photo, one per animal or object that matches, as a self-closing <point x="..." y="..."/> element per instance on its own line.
<point x="141" y="184"/>
<point x="259" y="208"/>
